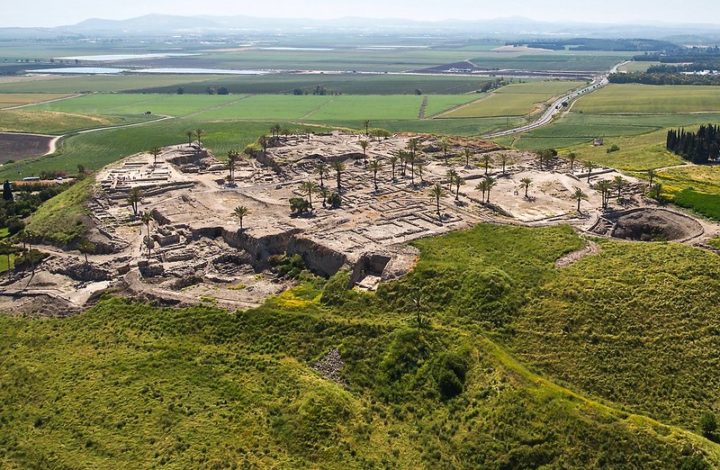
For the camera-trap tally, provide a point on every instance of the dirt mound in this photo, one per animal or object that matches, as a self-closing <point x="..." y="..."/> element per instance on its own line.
<point x="655" y="225"/>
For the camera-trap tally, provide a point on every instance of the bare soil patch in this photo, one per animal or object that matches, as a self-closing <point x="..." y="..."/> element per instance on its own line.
<point x="22" y="146"/>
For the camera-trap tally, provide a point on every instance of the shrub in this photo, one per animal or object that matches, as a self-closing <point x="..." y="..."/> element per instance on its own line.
<point x="15" y="225"/>
<point x="336" y="289"/>
<point x="708" y="426"/>
<point x="613" y="148"/>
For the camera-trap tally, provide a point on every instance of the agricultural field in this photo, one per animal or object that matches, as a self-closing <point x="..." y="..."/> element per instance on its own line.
<point x="597" y="61"/>
<point x="8" y="100"/>
<point x="634" y="66"/>
<point x="69" y="84"/>
<point x="650" y="99"/>
<point x="519" y="99"/>
<point x="414" y="396"/>
<point x="56" y="123"/>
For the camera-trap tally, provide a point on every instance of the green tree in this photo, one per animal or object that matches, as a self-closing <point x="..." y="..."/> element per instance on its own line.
<point x="503" y="161"/>
<point x="308" y="187"/>
<point x="155" y="152"/>
<point x="579" y="196"/>
<point x="619" y="184"/>
<point x="651" y="175"/>
<point x="364" y="145"/>
<point x="198" y="134"/>
<point x="233" y="157"/>
<point x="589" y="166"/>
<point x="487" y="160"/>
<point x="467" y="154"/>
<point x="240" y="213"/>
<point x="86" y="247"/>
<point x="367" y="127"/>
<point x="375" y="166"/>
<point x="322" y="170"/>
<point x="190" y="135"/>
<point x="708" y="426"/>
<point x="604" y="187"/>
<point x="437" y="192"/>
<point x="339" y="167"/>
<point x="445" y="146"/>
<point x="571" y="158"/>
<point x="393" y="162"/>
<point x="459" y="181"/>
<point x="147" y="218"/>
<point x="489" y="184"/>
<point x="526" y="182"/>
<point x="134" y="198"/>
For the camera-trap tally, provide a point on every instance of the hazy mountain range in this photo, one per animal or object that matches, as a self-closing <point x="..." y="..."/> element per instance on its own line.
<point x="163" y="25"/>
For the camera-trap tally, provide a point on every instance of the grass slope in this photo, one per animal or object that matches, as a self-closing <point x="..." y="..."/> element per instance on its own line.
<point x="60" y="220"/>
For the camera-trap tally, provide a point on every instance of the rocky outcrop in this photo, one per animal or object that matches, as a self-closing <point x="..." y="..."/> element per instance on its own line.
<point x="83" y="272"/>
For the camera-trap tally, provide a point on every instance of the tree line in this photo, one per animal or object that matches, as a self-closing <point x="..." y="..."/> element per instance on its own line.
<point x="698" y="147"/>
<point x="665" y="78"/>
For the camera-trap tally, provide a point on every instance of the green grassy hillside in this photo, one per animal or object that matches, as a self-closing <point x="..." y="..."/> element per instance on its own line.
<point x="126" y="384"/>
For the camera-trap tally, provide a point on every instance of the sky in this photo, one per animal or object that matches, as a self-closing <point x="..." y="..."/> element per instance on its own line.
<point x="64" y="12"/>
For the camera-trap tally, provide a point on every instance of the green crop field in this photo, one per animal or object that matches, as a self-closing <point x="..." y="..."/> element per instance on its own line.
<point x="558" y="61"/>
<point x="100" y="83"/>
<point x="650" y="99"/>
<point x="577" y="128"/>
<point x="637" y="66"/>
<point x="347" y="84"/>
<point x="514" y="100"/>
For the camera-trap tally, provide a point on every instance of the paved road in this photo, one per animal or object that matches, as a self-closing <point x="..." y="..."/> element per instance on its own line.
<point x="559" y="106"/>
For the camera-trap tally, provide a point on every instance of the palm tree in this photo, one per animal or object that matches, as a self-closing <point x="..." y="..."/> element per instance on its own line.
<point x="489" y="184"/>
<point x="375" y="166"/>
<point x="147" y="219"/>
<point x="619" y="184"/>
<point x="241" y="212"/>
<point x="403" y="156"/>
<point x="437" y="192"/>
<point x="579" y="196"/>
<point x="526" y="182"/>
<point x="134" y="198"/>
<point x="657" y="191"/>
<point x="393" y="162"/>
<point x="264" y="142"/>
<point x="445" y="146"/>
<point x="411" y="158"/>
<point x="572" y="157"/>
<point x="604" y="188"/>
<point x="155" y="152"/>
<point x="233" y="156"/>
<point x="308" y="187"/>
<point x="367" y="127"/>
<point x="482" y="186"/>
<point x="458" y="182"/>
<point x="324" y="193"/>
<point x="487" y="159"/>
<point x="199" y="133"/>
<point x="589" y="166"/>
<point x="364" y="145"/>
<point x="503" y="160"/>
<point x="421" y="171"/>
<point x="189" y="135"/>
<point x="467" y="158"/>
<point x="339" y="167"/>
<point x="322" y="170"/>
<point x="451" y="175"/>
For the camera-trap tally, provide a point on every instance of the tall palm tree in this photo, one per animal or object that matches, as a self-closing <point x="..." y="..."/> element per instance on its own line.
<point x="264" y="142"/>
<point x="199" y="133"/>
<point x="489" y="184"/>
<point x="459" y="181"/>
<point x="421" y="171"/>
<point x="619" y="184"/>
<point x="241" y="212"/>
<point x="451" y="175"/>
<point x="367" y="127"/>
<point x="503" y="160"/>
<point x="579" y="196"/>
<point x="322" y="170"/>
<point x="651" y="174"/>
<point x="467" y="157"/>
<point x="604" y="188"/>
<point x="411" y="158"/>
<point x="482" y="186"/>
<point x="589" y="166"/>
<point x="445" y="146"/>
<point x="308" y="187"/>
<point x="487" y="160"/>
<point x="572" y="157"/>
<point x="375" y="166"/>
<point x="155" y="152"/>
<point x="189" y="135"/>
<point x="437" y="192"/>
<point x="403" y="156"/>
<point x="526" y="182"/>
<point x="134" y="198"/>
<point x="275" y="130"/>
<point x="364" y="145"/>
<point x="233" y="157"/>
<point x="393" y="162"/>
<point x="339" y="167"/>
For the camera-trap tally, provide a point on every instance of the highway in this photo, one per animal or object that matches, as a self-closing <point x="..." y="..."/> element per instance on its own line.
<point x="559" y="106"/>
